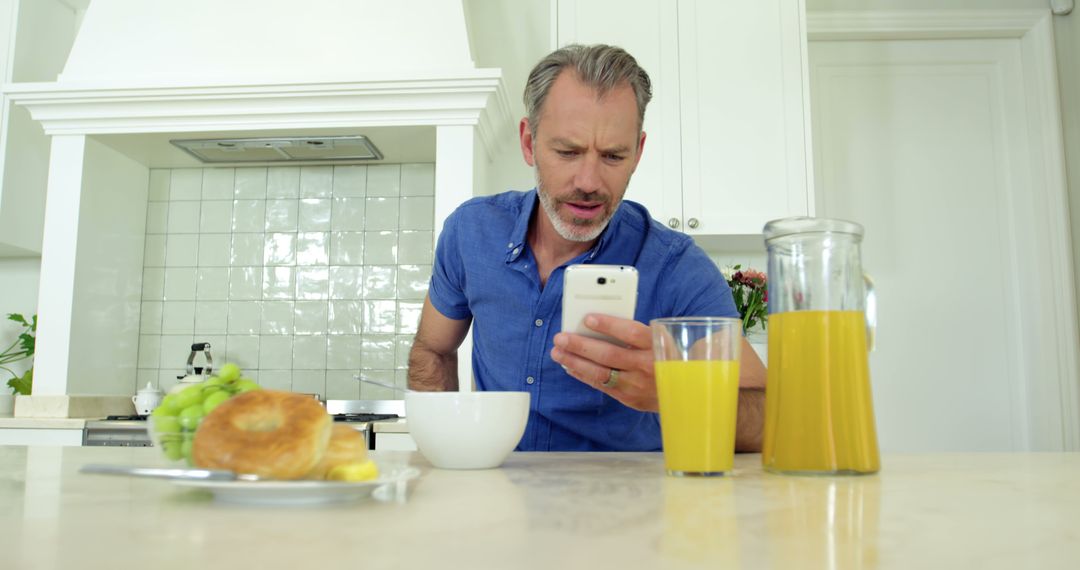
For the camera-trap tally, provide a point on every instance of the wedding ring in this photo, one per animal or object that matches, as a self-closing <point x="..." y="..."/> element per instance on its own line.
<point x="612" y="379"/>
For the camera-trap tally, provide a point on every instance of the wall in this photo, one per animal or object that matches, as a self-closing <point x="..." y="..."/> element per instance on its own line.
<point x="304" y="276"/>
<point x="498" y="39"/>
<point x="1067" y="50"/>
<point x="18" y="294"/>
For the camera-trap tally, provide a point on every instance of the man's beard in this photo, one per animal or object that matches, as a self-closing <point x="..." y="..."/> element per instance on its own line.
<point x="577" y="229"/>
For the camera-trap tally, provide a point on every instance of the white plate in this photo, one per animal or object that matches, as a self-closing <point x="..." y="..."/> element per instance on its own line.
<point x="285" y="493"/>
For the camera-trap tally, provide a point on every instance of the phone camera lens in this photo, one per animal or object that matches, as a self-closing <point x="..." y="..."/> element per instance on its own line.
<point x="601" y="280"/>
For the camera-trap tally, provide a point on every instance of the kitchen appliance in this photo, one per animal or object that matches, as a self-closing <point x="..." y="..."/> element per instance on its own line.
<point x="130" y="431"/>
<point x="147" y="399"/>
<point x="195" y="374"/>
<point x="819" y="416"/>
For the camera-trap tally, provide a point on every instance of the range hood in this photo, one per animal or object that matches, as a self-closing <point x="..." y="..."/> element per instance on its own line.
<point x="143" y="73"/>
<point x="281" y="149"/>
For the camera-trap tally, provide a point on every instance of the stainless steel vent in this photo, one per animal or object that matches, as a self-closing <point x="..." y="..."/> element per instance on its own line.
<point x="281" y="149"/>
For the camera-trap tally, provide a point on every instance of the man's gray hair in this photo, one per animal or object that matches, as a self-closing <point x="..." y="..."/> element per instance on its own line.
<point x="601" y="67"/>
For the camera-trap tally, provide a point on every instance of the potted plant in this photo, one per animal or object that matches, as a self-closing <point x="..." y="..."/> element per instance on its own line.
<point x="750" y="289"/>
<point x="21" y="349"/>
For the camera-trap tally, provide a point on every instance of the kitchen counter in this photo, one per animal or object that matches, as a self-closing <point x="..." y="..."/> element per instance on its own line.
<point x="558" y="510"/>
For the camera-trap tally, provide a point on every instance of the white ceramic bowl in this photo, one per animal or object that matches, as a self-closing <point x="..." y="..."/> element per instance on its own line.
<point x="466" y="430"/>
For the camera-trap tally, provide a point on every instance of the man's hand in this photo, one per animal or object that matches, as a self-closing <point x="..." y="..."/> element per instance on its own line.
<point x="591" y="361"/>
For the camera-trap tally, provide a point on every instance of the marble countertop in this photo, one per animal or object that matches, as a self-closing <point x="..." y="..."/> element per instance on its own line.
<point x="558" y="510"/>
<point x="42" y="423"/>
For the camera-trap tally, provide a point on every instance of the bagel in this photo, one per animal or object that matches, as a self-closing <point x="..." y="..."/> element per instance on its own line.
<point x="269" y="433"/>
<point x="346" y="446"/>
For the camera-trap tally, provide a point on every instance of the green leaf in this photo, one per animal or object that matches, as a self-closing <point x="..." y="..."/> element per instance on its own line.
<point x="24" y="384"/>
<point x="27" y="343"/>
<point x="18" y="318"/>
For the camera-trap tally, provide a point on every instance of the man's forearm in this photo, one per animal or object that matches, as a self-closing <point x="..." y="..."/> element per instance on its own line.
<point x="430" y="371"/>
<point x="750" y="420"/>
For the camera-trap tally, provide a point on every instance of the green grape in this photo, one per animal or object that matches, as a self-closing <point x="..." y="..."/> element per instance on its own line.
<point x="169" y="403"/>
<point x="214" y="381"/>
<point x="166" y="424"/>
<point x="174" y="450"/>
<point x="246" y="385"/>
<point x="190" y="416"/>
<point x="163" y="411"/>
<point x="209" y="390"/>
<point x="214" y="400"/>
<point x="188" y="396"/>
<point x="185" y="448"/>
<point x="229" y="372"/>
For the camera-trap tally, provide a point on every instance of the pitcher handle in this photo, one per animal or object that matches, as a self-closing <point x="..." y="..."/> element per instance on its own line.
<point x="871" y="313"/>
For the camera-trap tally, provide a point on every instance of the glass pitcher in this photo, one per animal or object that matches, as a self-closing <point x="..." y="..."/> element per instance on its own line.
<point x="819" y="415"/>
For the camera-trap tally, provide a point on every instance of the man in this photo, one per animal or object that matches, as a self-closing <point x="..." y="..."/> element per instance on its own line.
<point x="500" y="260"/>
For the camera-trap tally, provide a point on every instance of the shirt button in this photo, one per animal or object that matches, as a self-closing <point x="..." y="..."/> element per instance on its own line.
<point x="516" y="250"/>
<point x="529" y="380"/>
<point x="539" y="322"/>
<point x="511" y="244"/>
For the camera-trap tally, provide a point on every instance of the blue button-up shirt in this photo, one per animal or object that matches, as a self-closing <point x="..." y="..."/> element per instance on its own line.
<point x="484" y="269"/>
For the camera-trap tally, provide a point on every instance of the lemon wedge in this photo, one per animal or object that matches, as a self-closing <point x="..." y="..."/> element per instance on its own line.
<point x="365" y="471"/>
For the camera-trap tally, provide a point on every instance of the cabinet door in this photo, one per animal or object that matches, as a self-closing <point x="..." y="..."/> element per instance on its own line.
<point x="647" y="30"/>
<point x="745" y="120"/>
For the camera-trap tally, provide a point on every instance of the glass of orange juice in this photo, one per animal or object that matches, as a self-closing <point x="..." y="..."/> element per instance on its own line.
<point x="697" y="381"/>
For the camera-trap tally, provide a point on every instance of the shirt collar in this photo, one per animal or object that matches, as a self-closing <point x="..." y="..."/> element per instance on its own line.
<point x="516" y="245"/>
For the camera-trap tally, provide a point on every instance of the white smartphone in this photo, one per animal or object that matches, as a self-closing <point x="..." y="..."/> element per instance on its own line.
<point x="604" y="289"/>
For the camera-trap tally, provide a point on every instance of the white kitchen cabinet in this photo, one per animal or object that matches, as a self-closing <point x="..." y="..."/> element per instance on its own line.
<point x="35" y="37"/>
<point x="728" y="128"/>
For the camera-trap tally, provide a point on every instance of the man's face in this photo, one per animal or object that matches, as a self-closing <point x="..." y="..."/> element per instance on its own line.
<point x="583" y="153"/>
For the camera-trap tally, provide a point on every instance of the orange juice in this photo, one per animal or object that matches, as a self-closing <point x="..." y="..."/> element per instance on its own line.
<point x="698" y="401"/>
<point x="819" y="415"/>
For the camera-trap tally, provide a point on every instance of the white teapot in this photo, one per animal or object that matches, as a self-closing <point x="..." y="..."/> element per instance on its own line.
<point x="147" y="399"/>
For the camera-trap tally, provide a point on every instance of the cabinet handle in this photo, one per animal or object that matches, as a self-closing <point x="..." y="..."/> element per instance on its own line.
<point x="693" y="223"/>
<point x="673" y="223"/>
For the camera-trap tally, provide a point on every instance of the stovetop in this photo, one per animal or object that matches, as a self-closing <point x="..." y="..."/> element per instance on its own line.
<point x="349" y="417"/>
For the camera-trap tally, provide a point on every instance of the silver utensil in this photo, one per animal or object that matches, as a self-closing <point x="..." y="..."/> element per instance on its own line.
<point x="380" y="384"/>
<point x="168" y="473"/>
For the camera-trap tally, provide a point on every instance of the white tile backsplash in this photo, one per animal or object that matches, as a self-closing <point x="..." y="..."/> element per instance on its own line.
<point x="247" y="249"/>
<point x="314" y="215"/>
<point x="215" y="216"/>
<point x="381" y="213"/>
<point x="154" y="251"/>
<point x="181" y="250"/>
<point x="157" y="217"/>
<point x="248" y="215"/>
<point x="214" y="250"/>
<point x="159" y="185"/>
<point x="245" y="317"/>
<point x="185" y="184"/>
<point x="350" y="181"/>
<point x="309" y="353"/>
<point x="380" y="248"/>
<point x="283" y="182"/>
<point x="281" y="215"/>
<point x="347" y="214"/>
<point x="346" y="248"/>
<point x="316" y="181"/>
<point x="313" y="248"/>
<point x="217" y="183"/>
<point x="280" y="249"/>
<point x="418" y="179"/>
<point x="277" y="317"/>
<point x="304" y="276"/>
<point x="178" y="317"/>
<point x="245" y="283"/>
<point x="211" y="317"/>
<point x="276" y="352"/>
<point x="310" y="317"/>
<point x="250" y="183"/>
<point x="384" y="180"/>
<point x="211" y="284"/>
<point x="179" y="284"/>
<point x="184" y="217"/>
